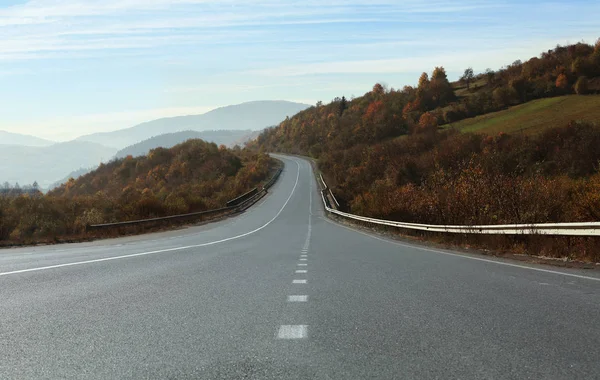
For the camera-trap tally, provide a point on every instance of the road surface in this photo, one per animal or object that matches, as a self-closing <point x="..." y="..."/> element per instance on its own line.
<point x="281" y="292"/>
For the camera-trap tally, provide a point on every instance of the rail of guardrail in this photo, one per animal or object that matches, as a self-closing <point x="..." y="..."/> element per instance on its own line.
<point x="562" y="229"/>
<point x="238" y="204"/>
<point x="242" y="198"/>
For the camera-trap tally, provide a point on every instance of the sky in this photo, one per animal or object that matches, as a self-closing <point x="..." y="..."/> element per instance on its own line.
<point x="69" y="68"/>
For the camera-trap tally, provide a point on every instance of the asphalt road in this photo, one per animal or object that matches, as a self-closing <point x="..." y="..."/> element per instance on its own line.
<point x="280" y="292"/>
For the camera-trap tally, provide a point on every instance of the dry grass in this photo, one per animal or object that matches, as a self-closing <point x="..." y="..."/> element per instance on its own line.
<point x="535" y="116"/>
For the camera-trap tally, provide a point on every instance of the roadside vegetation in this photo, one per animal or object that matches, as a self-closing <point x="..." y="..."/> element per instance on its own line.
<point x="422" y="154"/>
<point x="190" y="177"/>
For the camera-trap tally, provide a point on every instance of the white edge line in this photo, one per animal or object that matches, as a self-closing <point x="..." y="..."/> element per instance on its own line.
<point x="162" y="250"/>
<point x="464" y="256"/>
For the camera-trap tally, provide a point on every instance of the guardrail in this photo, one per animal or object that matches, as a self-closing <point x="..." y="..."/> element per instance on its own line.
<point x="329" y="190"/>
<point x="562" y="229"/>
<point x="242" y="198"/>
<point x="235" y="205"/>
<point x="273" y="179"/>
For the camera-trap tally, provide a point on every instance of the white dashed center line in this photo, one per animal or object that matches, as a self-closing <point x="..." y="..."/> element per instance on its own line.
<point x="292" y="332"/>
<point x="302" y="265"/>
<point x="297" y="298"/>
<point x="303" y="259"/>
<point x="299" y="282"/>
<point x="301" y="271"/>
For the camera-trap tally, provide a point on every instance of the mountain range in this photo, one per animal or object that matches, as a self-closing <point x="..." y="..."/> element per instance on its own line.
<point x="168" y="140"/>
<point x="26" y="164"/>
<point x="9" y="138"/>
<point x="25" y="159"/>
<point x="246" y="116"/>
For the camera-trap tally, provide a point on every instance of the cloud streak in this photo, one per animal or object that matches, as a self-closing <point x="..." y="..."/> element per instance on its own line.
<point x="101" y="57"/>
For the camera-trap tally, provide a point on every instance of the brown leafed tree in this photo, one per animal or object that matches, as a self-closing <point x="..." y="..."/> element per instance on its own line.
<point x="581" y="87"/>
<point x="562" y="82"/>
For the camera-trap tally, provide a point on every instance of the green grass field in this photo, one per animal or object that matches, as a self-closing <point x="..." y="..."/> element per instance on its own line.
<point x="535" y="116"/>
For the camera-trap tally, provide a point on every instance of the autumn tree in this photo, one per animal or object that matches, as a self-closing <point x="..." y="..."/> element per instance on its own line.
<point x="343" y="105"/>
<point x="562" y="82"/>
<point x="581" y="87"/>
<point x="503" y="96"/>
<point x="423" y="93"/>
<point x="441" y="90"/>
<point x="490" y="76"/>
<point x="519" y="85"/>
<point x="378" y="89"/>
<point x="423" y="80"/>
<point x="467" y="77"/>
<point x="427" y="123"/>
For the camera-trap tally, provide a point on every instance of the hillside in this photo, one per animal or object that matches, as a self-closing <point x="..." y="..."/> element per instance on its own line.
<point x="46" y="165"/>
<point x="168" y="140"/>
<point x="245" y="116"/>
<point x="189" y="177"/>
<point x="384" y="154"/>
<point x="9" y="138"/>
<point x="535" y="116"/>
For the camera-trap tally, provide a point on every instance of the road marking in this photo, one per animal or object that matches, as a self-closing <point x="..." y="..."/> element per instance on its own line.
<point x="297" y="298"/>
<point x="303" y="259"/>
<point x="465" y="256"/>
<point x="301" y="271"/>
<point x="292" y="332"/>
<point x="299" y="282"/>
<point x="302" y="265"/>
<point x="161" y="250"/>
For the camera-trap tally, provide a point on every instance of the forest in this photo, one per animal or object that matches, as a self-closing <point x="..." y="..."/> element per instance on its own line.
<point x="189" y="177"/>
<point x="393" y="154"/>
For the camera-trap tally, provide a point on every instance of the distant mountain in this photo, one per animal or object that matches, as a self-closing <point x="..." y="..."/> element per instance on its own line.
<point x="9" y="138"/>
<point x="25" y="164"/>
<point x="169" y="140"/>
<point x="251" y="115"/>
<point x="247" y="138"/>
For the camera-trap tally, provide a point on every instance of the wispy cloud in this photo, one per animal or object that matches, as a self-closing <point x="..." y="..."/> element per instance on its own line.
<point x="164" y="56"/>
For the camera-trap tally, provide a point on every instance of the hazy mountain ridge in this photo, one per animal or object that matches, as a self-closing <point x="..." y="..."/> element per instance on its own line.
<point x="26" y="164"/>
<point x="246" y="116"/>
<point x="74" y="174"/>
<point x="168" y="140"/>
<point x="10" y="138"/>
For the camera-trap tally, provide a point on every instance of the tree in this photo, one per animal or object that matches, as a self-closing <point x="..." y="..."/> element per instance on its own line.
<point x="581" y="87"/>
<point x="378" y="89"/>
<point x="441" y="90"/>
<point x="468" y="77"/>
<point x="343" y="105"/>
<point x="520" y="87"/>
<point x="423" y="81"/>
<point x="562" y="82"/>
<point x="490" y="76"/>
<point x="427" y="123"/>
<point x="503" y="96"/>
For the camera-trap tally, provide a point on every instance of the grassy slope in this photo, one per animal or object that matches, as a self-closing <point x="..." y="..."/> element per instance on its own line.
<point x="534" y="116"/>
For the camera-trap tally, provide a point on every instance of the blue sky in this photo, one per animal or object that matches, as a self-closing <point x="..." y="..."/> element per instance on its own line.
<point x="68" y="68"/>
